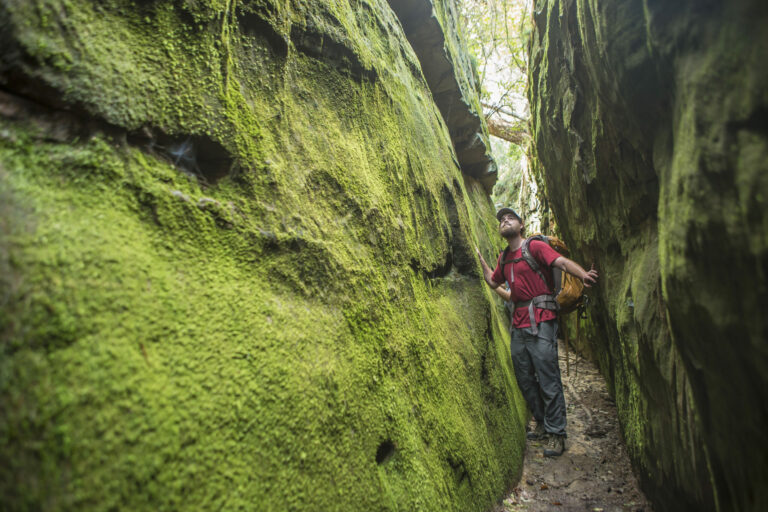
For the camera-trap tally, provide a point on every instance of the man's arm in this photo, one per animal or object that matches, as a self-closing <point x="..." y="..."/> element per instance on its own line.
<point x="487" y="272"/>
<point x="503" y="292"/>
<point x="573" y="268"/>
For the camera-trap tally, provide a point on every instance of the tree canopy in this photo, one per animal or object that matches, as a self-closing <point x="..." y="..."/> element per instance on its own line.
<point x="497" y="32"/>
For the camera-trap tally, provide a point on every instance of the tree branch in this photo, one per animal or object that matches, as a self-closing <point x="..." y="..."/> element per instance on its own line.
<point x="504" y="111"/>
<point x="516" y="134"/>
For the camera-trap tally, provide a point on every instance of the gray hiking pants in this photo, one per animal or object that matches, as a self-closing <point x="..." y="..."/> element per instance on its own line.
<point x="538" y="374"/>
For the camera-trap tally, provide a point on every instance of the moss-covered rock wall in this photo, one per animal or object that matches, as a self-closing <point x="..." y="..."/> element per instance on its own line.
<point x="650" y="125"/>
<point x="236" y="266"/>
<point x="435" y="33"/>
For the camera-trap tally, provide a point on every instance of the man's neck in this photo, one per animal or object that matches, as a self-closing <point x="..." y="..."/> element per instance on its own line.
<point x="514" y="242"/>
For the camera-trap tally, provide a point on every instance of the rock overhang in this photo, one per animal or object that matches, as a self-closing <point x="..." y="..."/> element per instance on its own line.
<point x="433" y="31"/>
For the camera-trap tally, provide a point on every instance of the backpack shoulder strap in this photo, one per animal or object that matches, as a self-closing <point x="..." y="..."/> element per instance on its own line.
<point x="530" y="260"/>
<point x="503" y="256"/>
<point x="503" y="259"/>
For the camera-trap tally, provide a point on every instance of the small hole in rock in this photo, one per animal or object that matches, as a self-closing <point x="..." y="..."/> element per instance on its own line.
<point x="385" y="452"/>
<point x="198" y="155"/>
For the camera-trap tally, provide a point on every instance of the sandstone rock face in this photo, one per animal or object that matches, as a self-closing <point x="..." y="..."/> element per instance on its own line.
<point x="650" y="122"/>
<point x="236" y="266"/>
<point x="431" y="28"/>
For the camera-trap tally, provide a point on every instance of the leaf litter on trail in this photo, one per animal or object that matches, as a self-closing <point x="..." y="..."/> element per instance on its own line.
<point x="594" y="456"/>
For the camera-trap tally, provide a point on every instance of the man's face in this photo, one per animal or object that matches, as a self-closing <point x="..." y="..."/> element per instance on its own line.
<point x="509" y="225"/>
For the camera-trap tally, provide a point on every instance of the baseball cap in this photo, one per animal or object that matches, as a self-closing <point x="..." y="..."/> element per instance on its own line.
<point x="505" y="211"/>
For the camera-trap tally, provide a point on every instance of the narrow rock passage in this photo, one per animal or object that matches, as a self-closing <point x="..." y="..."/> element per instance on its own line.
<point x="594" y="472"/>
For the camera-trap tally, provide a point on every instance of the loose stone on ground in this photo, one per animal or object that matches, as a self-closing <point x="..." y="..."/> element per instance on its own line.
<point x="594" y="472"/>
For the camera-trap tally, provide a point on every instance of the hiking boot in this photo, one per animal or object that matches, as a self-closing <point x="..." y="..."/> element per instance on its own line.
<point x="555" y="446"/>
<point x="537" y="433"/>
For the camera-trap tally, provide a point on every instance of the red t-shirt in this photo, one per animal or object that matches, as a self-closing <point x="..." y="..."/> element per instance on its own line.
<point x="527" y="283"/>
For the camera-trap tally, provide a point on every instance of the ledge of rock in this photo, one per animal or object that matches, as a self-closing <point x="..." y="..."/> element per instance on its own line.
<point x="431" y="28"/>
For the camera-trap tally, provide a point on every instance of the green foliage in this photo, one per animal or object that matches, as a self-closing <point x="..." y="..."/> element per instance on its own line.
<point x="509" y="158"/>
<point x="497" y="33"/>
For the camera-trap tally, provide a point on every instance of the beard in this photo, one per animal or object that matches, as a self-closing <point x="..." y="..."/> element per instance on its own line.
<point x="508" y="231"/>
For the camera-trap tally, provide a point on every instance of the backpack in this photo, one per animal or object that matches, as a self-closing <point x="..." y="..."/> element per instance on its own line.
<point x="568" y="290"/>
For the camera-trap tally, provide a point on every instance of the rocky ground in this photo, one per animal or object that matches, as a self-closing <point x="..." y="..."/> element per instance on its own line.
<point x="593" y="473"/>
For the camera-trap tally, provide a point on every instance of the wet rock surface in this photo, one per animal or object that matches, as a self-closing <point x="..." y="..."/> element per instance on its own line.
<point x="594" y="472"/>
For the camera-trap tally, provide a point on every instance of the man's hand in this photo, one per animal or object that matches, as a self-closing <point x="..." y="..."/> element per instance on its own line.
<point x="590" y="277"/>
<point x="487" y="272"/>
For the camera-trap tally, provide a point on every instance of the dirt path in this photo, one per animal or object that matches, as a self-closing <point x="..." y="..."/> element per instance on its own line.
<point x="594" y="473"/>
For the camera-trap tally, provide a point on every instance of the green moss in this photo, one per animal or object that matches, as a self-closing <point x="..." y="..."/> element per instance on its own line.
<point x="179" y="343"/>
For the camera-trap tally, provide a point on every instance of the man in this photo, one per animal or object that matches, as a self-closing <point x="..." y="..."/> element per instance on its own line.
<point x="534" y="325"/>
